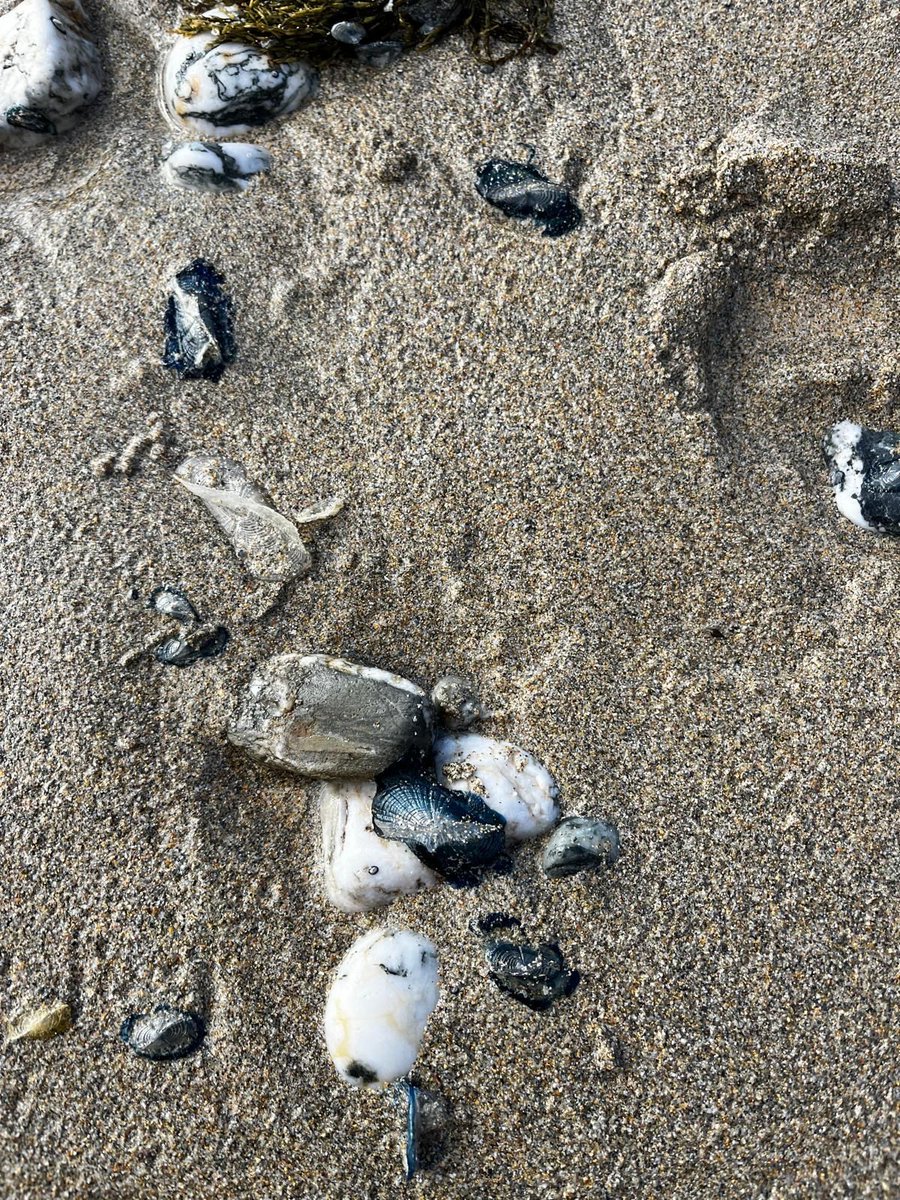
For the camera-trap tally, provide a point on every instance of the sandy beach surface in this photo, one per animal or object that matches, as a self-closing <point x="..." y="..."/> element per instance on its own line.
<point x="587" y="473"/>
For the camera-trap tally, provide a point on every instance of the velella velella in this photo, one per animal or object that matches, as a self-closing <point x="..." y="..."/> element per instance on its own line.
<point x="348" y="33"/>
<point x="198" y="323"/>
<point x="536" y="976"/>
<point x="426" y="1116"/>
<point x="383" y="993"/>
<point x="214" y="166"/>
<point x="164" y="1034"/>
<point x="38" y="1024"/>
<point x="267" y="543"/>
<point x="453" y="832"/>
<point x="521" y="191"/>
<point x="171" y="601"/>
<point x="578" y="844"/>
<point x="229" y="88"/>
<point x="864" y="471"/>
<point x="325" y="717"/>
<point x="184" y="649"/>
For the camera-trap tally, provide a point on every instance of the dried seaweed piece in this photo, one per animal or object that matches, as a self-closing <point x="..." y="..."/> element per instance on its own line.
<point x="40" y="1023"/>
<point x="287" y="30"/>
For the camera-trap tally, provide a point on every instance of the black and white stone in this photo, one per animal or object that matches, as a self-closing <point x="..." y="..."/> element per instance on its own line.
<point x="229" y="89"/>
<point x="214" y="166"/>
<point x="864" y="469"/>
<point x="50" y="70"/>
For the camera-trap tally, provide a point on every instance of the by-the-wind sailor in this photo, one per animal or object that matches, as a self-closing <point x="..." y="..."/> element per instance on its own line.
<point x="385" y="989"/>
<point x="534" y="975"/>
<point x="268" y="544"/>
<point x="379" y="54"/>
<point x="215" y="167"/>
<point x="453" y="832"/>
<point x="349" y="33"/>
<point x="164" y="1034"/>
<point x="229" y="89"/>
<point x="519" y="190"/>
<point x="50" y="70"/>
<point x="328" y="718"/>
<point x="426" y="1116"/>
<point x="198" y="323"/>
<point x="362" y="870"/>
<point x="184" y="649"/>
<point x="578" y="844"/>
<point x="510" y="781"/>
<point x="171" y="602"/>
<point x="864" y="469"/>
<point x="37" y="1024"/>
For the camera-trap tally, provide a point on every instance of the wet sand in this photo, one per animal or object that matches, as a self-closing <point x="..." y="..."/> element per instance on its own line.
<point x="587" y="473"/>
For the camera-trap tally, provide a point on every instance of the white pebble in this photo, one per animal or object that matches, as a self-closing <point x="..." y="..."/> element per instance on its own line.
<point x="215" y="167"/>
<point x="385" y="990"/>
<point x="362" y="870"/>
<point x="510" y="781"/>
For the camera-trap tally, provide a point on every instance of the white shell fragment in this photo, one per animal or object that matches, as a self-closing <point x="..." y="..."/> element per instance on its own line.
<point x="229" y="89"/>
<point x="510" y="781"/>
<point x="268" y="544"/>
<point x="214" y="167"/>
<point x="362" y="870"/>
<point x="385" y="990"/>
<point x="49" y="70"/>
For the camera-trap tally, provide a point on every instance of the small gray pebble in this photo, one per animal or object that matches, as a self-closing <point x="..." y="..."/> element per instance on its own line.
<point x="578" y="844"/>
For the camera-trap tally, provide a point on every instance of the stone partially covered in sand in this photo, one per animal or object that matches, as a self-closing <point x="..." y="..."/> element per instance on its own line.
<point x="362" y="870"/>
<point x="229" y="89"/>
<point x="50" y="70"/>
<point x="385" y="990"/>
<point x="213" y="167"/>
<point x="510" y="781"/>
<point x="327" y="718"/>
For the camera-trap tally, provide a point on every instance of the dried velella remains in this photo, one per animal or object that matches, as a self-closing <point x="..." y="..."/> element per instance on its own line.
<point x="453" y="832"/>
<point x="268" y="544"/>
<point x="864" y="470"/>
<point x="325" y="717"/>
<point x="426" y="1117"/>
<point x="536" y="976"/>
<point x="214" y="167"/>
<point x="165" y="1034"/>
<point x="198" y="323"/>
<point x="318" y="30"/>
<point x="171" y="601"/>
<point x="184" y="649"/>
<point x="362" y="870"/>
<point x="521" y="191"/>
<point x="385" y="989"/>
<point x="37" y="1024"/>
<point x="510" y="780"/>
<point x="578" y="844"/>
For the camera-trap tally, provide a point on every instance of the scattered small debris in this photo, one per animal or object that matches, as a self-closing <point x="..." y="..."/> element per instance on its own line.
<point x="125" y="461"/>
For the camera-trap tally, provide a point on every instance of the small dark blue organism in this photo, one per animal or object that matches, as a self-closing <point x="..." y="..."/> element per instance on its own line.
<point x="22" y="117"/>
<point x="165" y="1034"/>
<point x="534" y="975"/>
<point x="521" y="191"/>
<point x="454" y="833"/>
<point x="184" y="649"/>
<point x="425" y="1126"/>
<point x="580" y="843"/>
<point x="198" y="323"/>
<point x="171" y="602"/>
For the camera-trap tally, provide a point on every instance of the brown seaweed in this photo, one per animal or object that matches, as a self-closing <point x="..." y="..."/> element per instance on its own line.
<point x="497" y="30"/>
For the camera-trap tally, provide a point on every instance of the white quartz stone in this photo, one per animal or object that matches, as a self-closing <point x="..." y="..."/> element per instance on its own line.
<point x="49" y="70"/>
<point x="229" y="89"/>
<point x="385" y="989"/>
<point x="214" y="166"/>
<point x="510" y="781"/>
<point x="362" y="870"/>
<point x="847" y="471"/>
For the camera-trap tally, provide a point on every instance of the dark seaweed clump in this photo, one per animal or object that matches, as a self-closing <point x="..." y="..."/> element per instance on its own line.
<point x="496" y="30"/>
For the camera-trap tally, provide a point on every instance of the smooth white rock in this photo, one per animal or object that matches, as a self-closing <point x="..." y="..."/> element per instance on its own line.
<point x="847" y="471"/>
<point x="510" y="781"/>
<point x="49" y="70"/>
<point x="362" y="870"/>
<point x="229" y="89"/>
<point x="214" y="167"/>
<point x="385" y="990"/>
